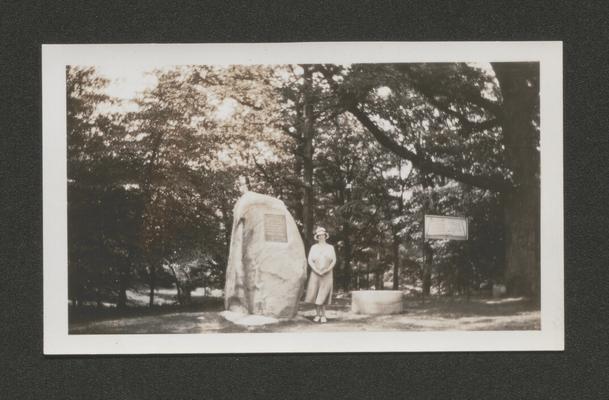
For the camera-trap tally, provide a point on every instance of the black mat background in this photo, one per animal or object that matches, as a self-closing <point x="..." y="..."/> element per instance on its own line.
<point x="578" y="373"/>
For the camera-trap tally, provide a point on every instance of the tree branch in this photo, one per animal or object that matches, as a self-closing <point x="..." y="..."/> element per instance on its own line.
<point x="467" y="125"/>
<point x="472" y="96"/>
<point x="424" y="164"/>
<point x="418" y="160"/>
<point x="260" y="168"/>
<point x="247" y="103"/>
<point x="293" y="135"/>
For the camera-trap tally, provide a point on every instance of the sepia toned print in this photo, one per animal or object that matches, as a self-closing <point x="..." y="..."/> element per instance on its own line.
<point x="196" y="193"/>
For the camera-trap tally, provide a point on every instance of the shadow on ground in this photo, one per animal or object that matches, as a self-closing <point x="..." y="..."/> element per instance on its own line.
<point x="434" y="314"/>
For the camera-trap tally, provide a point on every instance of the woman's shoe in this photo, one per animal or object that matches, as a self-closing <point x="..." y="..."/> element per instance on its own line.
<point x="323" y="320"/>
<point x="316" y="319"/>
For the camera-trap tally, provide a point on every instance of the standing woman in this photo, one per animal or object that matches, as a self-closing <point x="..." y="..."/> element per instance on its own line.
<point x="321" y="260"/>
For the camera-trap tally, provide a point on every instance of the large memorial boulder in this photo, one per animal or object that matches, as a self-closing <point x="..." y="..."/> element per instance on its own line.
<point x="267" y="267"/>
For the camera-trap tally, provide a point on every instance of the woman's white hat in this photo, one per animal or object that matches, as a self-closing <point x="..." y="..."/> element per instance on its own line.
<point x="320" y="231"/>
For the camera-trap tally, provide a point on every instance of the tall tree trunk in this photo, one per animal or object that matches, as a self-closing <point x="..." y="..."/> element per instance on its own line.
<point x="123" y="283"/>
<point x="151" y="284"/>
<point x="227" y="222"/>
<point x="186" y="294"/>
<point x="468" y="279"/>
<point x="522" y="273"/>
<point x="307" y="205"/>
<point x="378" y="271"/>
<point x="519" y="88"/>
<point x="347" y="249"/>
<point x="298" y="152"/>
<point x="427" y="262"/>
<point x="98" y="298"/>
<point x="427" y="250"/>
<point x="396" y="261"/>
<point x="298" y="172"/>
<point x="178" y="286"/>
<point x="343" y="198"/>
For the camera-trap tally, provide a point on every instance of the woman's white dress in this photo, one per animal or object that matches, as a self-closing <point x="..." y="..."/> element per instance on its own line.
<point x="319" y="288"/>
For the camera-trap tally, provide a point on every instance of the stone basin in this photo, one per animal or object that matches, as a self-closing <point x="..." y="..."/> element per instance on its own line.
<point x="376" y="302"/>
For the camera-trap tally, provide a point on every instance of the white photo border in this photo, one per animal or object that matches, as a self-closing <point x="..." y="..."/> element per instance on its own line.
<point x="55" y="57"/>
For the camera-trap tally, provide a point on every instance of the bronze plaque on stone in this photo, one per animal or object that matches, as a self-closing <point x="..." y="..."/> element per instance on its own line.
<point x="275" y="228"/>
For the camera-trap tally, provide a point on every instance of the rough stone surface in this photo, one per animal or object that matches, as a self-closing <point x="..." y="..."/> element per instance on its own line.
<point x="376" y="302"/>
<point x="266" y="269"/>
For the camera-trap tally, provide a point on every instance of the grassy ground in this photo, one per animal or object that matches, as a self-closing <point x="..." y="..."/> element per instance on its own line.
<point x="205" y="316"/>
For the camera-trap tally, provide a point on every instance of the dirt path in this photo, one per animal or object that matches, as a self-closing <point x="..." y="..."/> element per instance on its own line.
<point x="429" y="315"/>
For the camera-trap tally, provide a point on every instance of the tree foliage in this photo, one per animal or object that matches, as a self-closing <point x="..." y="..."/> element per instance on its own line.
<point x="364" y="150"/>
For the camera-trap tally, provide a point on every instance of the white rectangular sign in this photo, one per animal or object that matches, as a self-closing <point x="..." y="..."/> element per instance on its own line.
<point x="441" y="227"/>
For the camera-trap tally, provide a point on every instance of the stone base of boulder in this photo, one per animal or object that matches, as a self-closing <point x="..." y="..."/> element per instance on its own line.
<point x="376" y="302"/>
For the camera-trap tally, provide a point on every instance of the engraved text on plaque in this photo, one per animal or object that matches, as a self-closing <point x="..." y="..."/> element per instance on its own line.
<point x="275" y="228"/>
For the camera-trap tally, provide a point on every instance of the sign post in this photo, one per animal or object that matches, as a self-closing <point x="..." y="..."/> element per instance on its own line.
<point x="441" y="227"/>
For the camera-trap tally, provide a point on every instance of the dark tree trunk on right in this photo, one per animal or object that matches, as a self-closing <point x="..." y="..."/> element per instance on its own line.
<point x="519" y="88"/>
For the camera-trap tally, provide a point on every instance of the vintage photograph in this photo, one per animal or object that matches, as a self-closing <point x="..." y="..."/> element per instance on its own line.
<point x="308" y="197"/>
